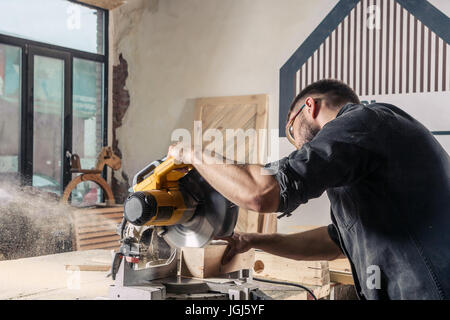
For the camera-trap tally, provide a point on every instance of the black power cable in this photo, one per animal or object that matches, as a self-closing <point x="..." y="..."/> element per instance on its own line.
<point x="287" y="284"/>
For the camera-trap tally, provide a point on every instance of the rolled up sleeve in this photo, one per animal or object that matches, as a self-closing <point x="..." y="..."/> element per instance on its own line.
<point x="341" y="153"/>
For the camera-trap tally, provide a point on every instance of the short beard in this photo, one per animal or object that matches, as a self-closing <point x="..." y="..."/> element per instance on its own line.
<point x="307" y="131"/>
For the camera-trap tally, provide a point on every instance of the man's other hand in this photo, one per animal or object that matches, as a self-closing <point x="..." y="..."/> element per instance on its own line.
<point x="237" y="243"/>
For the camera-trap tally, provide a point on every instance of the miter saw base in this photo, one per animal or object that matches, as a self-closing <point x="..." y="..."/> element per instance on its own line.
<point x="161" y="282"/>
<point x="171" y="206"/>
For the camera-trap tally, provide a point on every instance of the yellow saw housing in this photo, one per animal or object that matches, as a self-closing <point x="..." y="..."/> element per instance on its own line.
<point x="157" y="199"/>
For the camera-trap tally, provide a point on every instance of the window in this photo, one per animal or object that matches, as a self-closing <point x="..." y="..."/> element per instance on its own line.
<point x="53" y="66"/>
<point x="57" y="22"/>
<point x="87" y="124"/>
<point x="10" y="108"/>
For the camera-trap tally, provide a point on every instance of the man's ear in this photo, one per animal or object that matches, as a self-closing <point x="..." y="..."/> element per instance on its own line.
<point x="312" y="107"/>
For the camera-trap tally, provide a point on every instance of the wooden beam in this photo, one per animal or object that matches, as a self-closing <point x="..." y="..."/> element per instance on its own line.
<point x="105" y="4"/>
<point x="341" y="265"/>
<point x="341" y="277"/>
<point x="84" y="267"/>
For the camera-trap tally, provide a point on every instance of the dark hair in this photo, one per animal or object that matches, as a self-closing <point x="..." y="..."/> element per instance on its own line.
<point x="336" y="92"/>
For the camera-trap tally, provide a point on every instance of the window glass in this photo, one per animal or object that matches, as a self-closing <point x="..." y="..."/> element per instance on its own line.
<point x="10" y="106"/>
<point x="57" y="22"/>
<point x="48" y="110"/>
<point x="87" y="123"/>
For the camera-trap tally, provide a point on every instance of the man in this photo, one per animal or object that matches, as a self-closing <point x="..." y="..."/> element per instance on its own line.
<point x="388" y="181"/>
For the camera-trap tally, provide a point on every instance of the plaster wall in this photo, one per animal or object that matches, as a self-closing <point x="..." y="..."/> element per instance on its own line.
<point x="179" y="50"/>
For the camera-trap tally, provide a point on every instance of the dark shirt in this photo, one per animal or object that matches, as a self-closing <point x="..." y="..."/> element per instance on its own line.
<point x="388" y="181"/>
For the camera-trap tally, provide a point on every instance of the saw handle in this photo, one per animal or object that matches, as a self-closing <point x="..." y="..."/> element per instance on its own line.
<point x="146" y="171"/>
<point x="159" y="168"/>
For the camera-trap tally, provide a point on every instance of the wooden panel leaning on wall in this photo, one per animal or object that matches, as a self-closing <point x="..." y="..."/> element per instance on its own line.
<point x="250" y="114"/>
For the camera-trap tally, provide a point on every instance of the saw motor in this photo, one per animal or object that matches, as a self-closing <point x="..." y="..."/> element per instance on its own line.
<point x="177" y="200"/>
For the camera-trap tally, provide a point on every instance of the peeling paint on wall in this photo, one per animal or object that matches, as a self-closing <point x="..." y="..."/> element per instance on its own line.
<point x="121" y="102"/>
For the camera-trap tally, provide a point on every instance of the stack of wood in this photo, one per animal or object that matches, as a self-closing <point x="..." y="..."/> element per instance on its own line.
<point x="95" y="228"/>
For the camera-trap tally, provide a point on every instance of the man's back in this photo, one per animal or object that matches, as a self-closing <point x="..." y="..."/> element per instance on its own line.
<point x="388" y="181"/>
<point x="397" y="217"/>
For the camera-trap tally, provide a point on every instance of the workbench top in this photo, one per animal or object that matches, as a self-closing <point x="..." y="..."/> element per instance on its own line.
<point x="48" y="278"/>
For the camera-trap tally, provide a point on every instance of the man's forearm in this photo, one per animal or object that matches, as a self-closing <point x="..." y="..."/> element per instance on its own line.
<point x="244" y="185"/>
<point x="309" y="245"/>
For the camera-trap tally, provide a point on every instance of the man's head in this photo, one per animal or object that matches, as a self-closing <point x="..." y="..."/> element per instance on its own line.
<point x="314" y="106"/>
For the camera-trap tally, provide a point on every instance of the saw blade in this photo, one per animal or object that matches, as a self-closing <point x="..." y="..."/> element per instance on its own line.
<point x="214" y="216"/>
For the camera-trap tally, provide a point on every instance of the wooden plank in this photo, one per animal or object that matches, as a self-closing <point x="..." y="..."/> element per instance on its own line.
<point x="99" y="240"/>
<point x="106" y="245"/>
<point x="93" y="235"/>
<point x="81" y="218"/>
<point x="96" y="210"/>
<point x="261" y="255"/>
<point x="95" y="227"/>
<point x="99" y="228"/>
<point x="85" y="267"/>
<point x="97" y="221"/>
<point x="341" y="277"/>
<point x="341" y="265"/>
<point x="206" y="262"/>
<point x="279" y="268"/>
<point x="321" y="291"/>
<point x="112" y="224"/>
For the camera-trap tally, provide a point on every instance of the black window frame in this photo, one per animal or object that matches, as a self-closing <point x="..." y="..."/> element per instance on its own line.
<point x="30" y="47"/>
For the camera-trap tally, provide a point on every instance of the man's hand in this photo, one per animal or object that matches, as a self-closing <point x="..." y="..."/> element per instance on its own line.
<point x="310" y="245"/>
<point x="237" y="243"/>
<point x="182" y="153"/>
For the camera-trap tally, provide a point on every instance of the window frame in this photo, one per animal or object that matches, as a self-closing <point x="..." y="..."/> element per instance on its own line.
<point x="30" y="47"/>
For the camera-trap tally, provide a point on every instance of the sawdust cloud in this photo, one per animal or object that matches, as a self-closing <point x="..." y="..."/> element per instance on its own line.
<point x="32" y="222"/>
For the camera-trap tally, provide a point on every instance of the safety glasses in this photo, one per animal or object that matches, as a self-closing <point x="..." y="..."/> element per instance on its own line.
<point x="289" y="125"/>
<point x="289" y="129"/>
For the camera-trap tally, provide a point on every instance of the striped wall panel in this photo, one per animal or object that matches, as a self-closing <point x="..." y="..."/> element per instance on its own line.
<point x="402" y="55"/>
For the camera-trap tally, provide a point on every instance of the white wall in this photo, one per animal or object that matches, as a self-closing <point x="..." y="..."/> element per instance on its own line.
<point x="179" y="50"/>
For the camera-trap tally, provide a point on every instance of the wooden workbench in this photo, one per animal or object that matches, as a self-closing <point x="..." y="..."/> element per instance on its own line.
<point x="46" y="277"/>
<point x="49" y="278"/>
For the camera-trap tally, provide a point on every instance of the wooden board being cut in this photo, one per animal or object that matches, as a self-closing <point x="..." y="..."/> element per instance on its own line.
<point x="206" y="262"/>
<point x="304" y="272"/>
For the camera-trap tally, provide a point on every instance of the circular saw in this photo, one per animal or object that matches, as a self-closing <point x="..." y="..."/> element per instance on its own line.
<point x="180" y="204"/>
